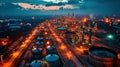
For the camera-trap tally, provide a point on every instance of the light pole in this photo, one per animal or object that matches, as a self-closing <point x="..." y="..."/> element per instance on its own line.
<point x="1" y="59"/>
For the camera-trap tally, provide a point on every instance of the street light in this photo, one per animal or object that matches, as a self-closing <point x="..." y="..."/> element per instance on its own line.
<point x="110" y="36"/>
<point x="48" y="43"/>
<point x="84" y="19"/>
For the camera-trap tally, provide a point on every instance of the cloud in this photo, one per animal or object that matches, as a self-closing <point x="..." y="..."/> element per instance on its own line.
<point x="103" y="1"/>
<point x="55" y="4"/>
<point x="64" y="1"/>
<point x="73" y="1"/>
<point x="43" y="7"/>
<point x="56" y="1"/>
<point x="1" y="4"/>
<point x="36" y="7"/>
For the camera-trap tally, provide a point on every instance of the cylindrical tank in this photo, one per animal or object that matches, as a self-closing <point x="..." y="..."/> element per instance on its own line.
<point x="37" y="53"/>
<point x="40" y="38"/>
<point x="38" y="44"/>
<point x="50" y="49"/>
<point x="53" y="60"/>
<point x="102" y="57"/>
<point x="36" y="63"/>
<point x="62" y="30"/>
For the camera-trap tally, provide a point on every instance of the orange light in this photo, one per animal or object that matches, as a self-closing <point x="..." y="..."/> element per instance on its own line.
<point x="118" y="20"/>
<point x="4" y="42"/>
<point x="107" y="20"/>
<point x="15" y="54"/>
<point x="66" y="25"/>
<point x="33" y="47"/>
<point x="46" y="33"/>
<point x="23" y="45"/>
<point x="48" y="42"/>
<point x="69" y="55"/>
<point x="80" y="50"/>
<point x="81" y="46"/>
<point x="85" y="19"/>
<point x="62" y="47"/>
<point x="48" y="46"/>
<point x="58" y="39"/>
<point x="118" y="55"/>
<point x="27" y="41"/>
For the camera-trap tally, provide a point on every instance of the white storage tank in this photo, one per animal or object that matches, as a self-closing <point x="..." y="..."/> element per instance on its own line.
<point x="50" y="49"/>
<point x="40" y="38"/>
<point x="38" y="44"/>
<point x="37" y="53"/>
<point x="36" y="63"/>
<point x="53" y="60"/>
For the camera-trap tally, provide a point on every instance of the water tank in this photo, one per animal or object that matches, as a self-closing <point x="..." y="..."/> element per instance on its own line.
<point x="37" y="53"/>
<point x="50" y="49"/>
<point x="53" y="60"/>
<point x="36" y="63"/>
<point x="102" y="57"/>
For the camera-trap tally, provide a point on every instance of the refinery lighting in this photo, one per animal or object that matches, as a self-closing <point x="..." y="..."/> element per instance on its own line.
<point x="110" y="36"/>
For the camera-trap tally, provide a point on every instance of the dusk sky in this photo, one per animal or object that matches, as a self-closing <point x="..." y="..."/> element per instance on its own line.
<point x="57" y="7"/>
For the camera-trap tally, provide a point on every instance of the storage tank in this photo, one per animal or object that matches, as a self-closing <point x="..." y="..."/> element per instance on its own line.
<point x="36" y="63"/>
<point x="38" y="44"/>
<point x="102" y="57"/>
<point x="40" y="38"/>
<point x="62" y="30"/>
<point x="37" y="53"/>
<point x="53" y="60"/>
<point x="50" y="49"/>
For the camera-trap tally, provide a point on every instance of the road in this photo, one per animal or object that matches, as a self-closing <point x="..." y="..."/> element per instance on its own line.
<point x="17" y="54"/>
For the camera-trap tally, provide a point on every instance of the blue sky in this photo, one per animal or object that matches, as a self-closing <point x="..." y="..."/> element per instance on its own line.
<point x="57" y="7"/>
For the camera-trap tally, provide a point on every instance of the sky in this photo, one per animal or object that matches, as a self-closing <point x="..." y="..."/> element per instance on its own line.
<point x="59" y="7"/>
